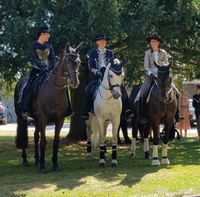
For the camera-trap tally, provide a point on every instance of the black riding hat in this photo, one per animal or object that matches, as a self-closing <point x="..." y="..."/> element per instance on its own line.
<point x="101" y="37"/>
<point x="43" y="29"/>
<point x="155" y="37"/>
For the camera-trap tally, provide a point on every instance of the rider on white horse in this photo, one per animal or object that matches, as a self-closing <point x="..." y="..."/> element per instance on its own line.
<point x="99" y="58"/>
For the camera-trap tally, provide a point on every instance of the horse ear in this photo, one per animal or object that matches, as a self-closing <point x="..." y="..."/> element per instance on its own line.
<point x="170" y="64"/>
<point x="77" y="49"/>
<point x="157" y="66"/>
<point x="67" y="46"/>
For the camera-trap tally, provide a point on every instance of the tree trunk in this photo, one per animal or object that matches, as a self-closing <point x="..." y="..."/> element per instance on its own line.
<point x="77" y="129"/>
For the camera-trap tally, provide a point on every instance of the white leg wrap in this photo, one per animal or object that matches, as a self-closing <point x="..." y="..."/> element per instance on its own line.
<point x="164" y="159"/>
<point x="102" y="161"/>
<point x="164" y="150"/>
<point x="114" y="161"/>
<point x="146" y="145"/>
<point x="133" y="147"/>
<point x="155" y="151"/>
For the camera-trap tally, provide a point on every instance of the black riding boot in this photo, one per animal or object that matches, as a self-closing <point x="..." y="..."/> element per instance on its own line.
<point x="26" y="102"/>
<point x="126" y="103"/>
<point x="142" y="110"/>
<point x="87" y="108"/>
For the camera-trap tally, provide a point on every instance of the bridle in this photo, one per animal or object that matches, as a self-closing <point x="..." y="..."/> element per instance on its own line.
<point x="66" y="72"/>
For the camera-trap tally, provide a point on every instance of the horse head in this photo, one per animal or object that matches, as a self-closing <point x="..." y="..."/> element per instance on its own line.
<point x="72" y="61"/>
<point x="114" y="74"/>
<point x="164" y="80"/>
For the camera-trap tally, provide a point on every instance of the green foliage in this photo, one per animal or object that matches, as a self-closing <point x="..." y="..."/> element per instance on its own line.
<point x="127" y="23"/>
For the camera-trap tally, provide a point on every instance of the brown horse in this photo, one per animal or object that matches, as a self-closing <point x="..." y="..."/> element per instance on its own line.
<point x="50" y="105"/>
<point x="161" y="107"/>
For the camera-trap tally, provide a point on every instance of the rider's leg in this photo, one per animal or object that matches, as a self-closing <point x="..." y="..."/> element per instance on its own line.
<point x="88" y="102"/>
<point x="143" y="96"/>
<point x="27" y="93"/>
<point x="126" y="103"/>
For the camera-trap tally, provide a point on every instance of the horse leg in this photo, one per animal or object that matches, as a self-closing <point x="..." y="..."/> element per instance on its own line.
<point x="100" y="126"/>
<point x="155" y="161"/>
<point x="146" y="142"/>
<point x="89" y="142"/>
<point x="58" y="127"/>
<point x="114" y="142"/>
<point x="42" y="150"/>
<point x="36" y="140"/>
<point x="24" y="158"/>
<point x="134" y="136"/>
<point x="168" y="126"/>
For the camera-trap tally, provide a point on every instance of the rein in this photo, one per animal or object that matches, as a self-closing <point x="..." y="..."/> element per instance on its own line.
<point x="66" y="73"/>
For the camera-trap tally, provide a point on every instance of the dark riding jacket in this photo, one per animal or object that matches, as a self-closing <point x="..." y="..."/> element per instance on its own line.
<point x="99" y="59"/>
<point x="42" y="56"/>
<point x="196" y="103"/>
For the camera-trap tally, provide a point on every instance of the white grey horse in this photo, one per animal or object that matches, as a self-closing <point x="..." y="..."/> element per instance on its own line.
<point x="107" y="108"/>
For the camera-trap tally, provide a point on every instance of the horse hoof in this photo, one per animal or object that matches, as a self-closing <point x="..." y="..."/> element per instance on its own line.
<point x="42" y="171"/>
<point x="25" y="164"/>
<point x="133" y="155"/>
<point x="102" y="163"/>
<point x="165" y="161"/>
<point x="55" y="168"/>
<point x="89" y="156"/>
<point x="114" y="164"/>
<point x="146" y="155"/>
<point x="155" y="162"/>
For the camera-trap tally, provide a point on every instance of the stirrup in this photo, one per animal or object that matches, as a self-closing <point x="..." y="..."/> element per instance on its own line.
<point x="25" y="115"/>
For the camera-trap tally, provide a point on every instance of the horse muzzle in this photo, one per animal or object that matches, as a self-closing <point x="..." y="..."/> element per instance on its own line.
<point x="116" y="93"/>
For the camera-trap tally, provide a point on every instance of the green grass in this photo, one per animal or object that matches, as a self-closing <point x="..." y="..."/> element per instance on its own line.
<point x="80" y="177"/>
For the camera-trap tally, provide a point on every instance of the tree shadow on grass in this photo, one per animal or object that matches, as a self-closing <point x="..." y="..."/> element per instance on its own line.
<point x="75" y="168"/>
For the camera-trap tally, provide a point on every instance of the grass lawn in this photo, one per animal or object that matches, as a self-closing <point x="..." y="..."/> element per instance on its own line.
<point x="80" y="177"/>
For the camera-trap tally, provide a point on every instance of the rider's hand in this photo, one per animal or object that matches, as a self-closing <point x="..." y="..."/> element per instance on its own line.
<point x="152" y="76"/>
<point x="99" y="74"/>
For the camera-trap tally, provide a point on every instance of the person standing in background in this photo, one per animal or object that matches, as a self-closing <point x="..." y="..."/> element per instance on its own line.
<point x="184" y="124"/>
<point x="196" y="105"/>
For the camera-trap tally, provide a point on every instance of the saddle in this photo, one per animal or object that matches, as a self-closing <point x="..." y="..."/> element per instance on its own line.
<point x="34" y="86"/>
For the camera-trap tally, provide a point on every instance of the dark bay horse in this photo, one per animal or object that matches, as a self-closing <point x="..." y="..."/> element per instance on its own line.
<point x="50" y="104"/>
<point x="161" y="107"/>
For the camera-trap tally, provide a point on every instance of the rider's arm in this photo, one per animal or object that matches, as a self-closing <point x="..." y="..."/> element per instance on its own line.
<point x="147" y="63"/>
<point x="92" y="62"/>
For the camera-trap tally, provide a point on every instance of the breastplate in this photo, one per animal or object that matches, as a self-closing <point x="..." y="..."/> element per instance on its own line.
<point x="43" y="55"/>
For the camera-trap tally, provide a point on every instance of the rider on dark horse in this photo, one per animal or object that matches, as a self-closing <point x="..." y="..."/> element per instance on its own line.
<point x="160" y="56"/>
<point x="43" y="60"/>
<point x="98" y="60"/>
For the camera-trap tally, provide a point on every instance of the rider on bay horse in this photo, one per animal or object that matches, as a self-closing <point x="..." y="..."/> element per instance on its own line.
<point x="43" y="60"/>
<point x="99" y="58"/>
<point x="160" y="56"/>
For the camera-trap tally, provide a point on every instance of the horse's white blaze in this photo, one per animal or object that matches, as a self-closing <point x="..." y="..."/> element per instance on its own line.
<point x="146" y="145"/>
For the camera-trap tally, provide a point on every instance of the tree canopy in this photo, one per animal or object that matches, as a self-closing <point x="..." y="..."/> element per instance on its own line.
<point x="127" y="23"/>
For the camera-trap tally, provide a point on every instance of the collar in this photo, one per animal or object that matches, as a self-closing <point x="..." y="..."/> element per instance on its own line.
<point x="102" y="50"/>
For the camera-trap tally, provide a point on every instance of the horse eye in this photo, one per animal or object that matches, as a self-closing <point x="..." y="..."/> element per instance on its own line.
<point x="110" y="76"/>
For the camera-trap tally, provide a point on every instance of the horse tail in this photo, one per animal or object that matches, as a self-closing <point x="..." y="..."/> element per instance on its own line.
<point x="22" y="126"/>
<point x="22" y="133"/>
